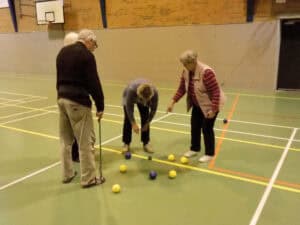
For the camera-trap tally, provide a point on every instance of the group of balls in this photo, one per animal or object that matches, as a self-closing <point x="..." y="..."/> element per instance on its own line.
<point x="116" y="188"/>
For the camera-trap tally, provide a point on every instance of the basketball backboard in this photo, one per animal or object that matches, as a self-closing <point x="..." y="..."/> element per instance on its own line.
<point x="49" y="12"/>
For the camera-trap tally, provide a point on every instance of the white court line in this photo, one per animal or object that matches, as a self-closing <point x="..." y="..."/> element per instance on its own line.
<point x="21" y="100"/>
<point x="26" y="117"/>
<point x="29" y="175"/>
<point x="58" y="163"/>
<point x="230" y="131"/>
<point x="236" y="132"/>
<point x="27" y="95"/>
<point x="238" y="121"/>
<point x="21" y="113"/>
<point x="7" y="104"/>
<point x="272" y="181"/>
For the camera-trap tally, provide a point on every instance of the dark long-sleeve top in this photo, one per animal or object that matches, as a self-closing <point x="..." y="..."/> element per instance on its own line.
<point x="77" y="76"/>
<point x="130" y="98"/>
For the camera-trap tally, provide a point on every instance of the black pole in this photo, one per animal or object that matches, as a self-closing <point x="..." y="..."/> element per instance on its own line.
<point x="13" y="14"/>
<point x="102" y="179"/>
<point x="250" y="10"/>
<point x="103" y="13"/>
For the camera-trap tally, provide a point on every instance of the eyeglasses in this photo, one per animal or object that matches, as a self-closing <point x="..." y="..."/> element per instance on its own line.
<point x="94" y="43"/>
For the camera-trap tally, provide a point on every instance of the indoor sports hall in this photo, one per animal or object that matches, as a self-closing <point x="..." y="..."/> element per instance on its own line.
<point x="253" y="177"/>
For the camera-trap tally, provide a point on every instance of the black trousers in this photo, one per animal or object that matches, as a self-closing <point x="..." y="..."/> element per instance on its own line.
<point x="127" y="128"/>
<point x="198" y="123"/>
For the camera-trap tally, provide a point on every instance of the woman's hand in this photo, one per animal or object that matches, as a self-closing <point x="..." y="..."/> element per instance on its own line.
<point x="210" y="114"/>
<point x="170" y="107"/>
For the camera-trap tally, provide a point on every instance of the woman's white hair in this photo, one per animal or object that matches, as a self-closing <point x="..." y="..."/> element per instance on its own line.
<point x="86" y="35"/>
<point x="188" y="56"/>
<point x="70" y="38"/>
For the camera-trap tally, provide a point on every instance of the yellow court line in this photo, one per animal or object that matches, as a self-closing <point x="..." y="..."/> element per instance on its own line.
<point x="29" y="132"/>
<point x="165" y="162"/>
<point x="208" y="171"/>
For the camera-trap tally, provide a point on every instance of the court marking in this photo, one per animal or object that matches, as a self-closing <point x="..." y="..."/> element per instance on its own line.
<point x="19" y="94"/>
<point x="22" y="113"/>
<point x="268" y="189"/>
<point x="54" y="164"/>
<point x="183" y="132"/>
<point x="224" y="130"/>
<point x="28" y="176"/>
<point x="8" y="103"/>
<point x="229" y="139"/>
<point x="237" y="121"/>
<point x="208" y="171"/>
<point x="228" y="130"/>
<point x="281" y="187"/>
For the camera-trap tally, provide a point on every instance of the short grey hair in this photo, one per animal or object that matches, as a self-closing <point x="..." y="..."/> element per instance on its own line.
<point x="70" y="38"/>
<point x="86" y="35"/>
<point x="188" y="56"/>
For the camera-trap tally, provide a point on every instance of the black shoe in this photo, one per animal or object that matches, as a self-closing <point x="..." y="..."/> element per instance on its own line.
<point x="94" y="182"/>
<point x="68" y="180"/>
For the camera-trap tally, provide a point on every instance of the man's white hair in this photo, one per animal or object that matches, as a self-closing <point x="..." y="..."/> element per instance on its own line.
<point x="188" y="56"/>
<point x="86" y="35"/>
<point x="70" y="38"/>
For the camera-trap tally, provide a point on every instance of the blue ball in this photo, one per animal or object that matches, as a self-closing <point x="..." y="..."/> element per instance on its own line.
<point x="127" y="155"/>
<point x="152" y="175"/>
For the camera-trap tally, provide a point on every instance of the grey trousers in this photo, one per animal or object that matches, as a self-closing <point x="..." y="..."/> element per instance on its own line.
<point x="76" y="122"/>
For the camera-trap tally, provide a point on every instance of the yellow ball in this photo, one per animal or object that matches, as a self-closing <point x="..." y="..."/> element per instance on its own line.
<point x="116" y="188"/>
<point x="123" y="168"/>
<point x="184" y="160"/>
<point x="172" y="174"/>
<point x="171" y="157"/>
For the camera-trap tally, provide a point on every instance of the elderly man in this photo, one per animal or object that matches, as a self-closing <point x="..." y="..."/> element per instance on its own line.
<point x="77" y="80"/>
<point x="142" y="93"/>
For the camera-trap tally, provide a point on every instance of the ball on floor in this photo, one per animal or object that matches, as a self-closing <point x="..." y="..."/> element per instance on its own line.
<point x="123" y="168"/>
<point x="171" y="157"/>
<point x="116" y="188"/>
<point x="184" y="160"/>
<point x="152" y="175"/>
<point x="172" y="174"/>
<point x="127" y="155"/>
<point x="225" y="121"/>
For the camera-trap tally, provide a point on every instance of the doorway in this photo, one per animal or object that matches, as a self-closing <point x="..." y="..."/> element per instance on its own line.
<point x="289" y="56"/>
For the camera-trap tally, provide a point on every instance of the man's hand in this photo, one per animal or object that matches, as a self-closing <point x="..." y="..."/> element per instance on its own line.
<point x="99" y="115"/>
<point x="145" y="127"/>
<point x="135" y="128"/>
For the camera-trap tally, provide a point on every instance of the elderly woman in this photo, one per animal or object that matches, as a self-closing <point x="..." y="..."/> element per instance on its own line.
<point x="72" y="38"/>
<point x="204" y="95"/>
<point x="142" y="93"/>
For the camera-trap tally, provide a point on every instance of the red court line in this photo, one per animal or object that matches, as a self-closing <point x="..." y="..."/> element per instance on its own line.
<point x="225" y="127"/>
<point x="258" y="178"/>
